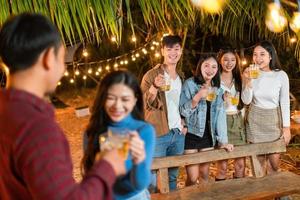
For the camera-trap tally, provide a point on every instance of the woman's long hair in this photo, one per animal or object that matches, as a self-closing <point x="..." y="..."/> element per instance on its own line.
<point x="99" y="119"/>
<point x="236" y="72"/>
<point x="198" y="77"/>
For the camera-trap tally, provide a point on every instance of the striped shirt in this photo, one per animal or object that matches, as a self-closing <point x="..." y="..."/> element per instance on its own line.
<point x="35" y="160"/>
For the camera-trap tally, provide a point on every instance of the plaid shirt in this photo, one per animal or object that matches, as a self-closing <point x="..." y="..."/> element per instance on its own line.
<point x="35" y="158"/>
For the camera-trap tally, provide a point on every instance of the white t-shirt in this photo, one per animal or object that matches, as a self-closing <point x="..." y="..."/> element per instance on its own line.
<point x="268" y="91"/>
<point x="172" y="100"/>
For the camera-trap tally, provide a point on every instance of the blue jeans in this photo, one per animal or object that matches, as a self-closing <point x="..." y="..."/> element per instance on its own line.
<point x="170" y="144"/>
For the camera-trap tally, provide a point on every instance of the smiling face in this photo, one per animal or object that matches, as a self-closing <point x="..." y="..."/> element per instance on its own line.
<point x="228" y="62"/>
<point x="262" y="58"/>
<point x="209" y="69"/>
<point x="120" y="102"/>
<point x="171" y="54"/>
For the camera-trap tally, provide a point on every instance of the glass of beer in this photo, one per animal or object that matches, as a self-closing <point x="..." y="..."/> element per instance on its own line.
<point x="212" y="93"/>
<point x="167" y="85"/>
<point x="234" y="99"/>
<point x="119" y="138"/>
<point x="254" y="71"/>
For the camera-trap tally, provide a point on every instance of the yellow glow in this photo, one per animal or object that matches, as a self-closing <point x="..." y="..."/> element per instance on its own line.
<point x="99" y="69"/>
<point x="152" y="48"/>
<point x="244" y="62"/>
<point x="90" y="71"/>
<point x="71" y="80"/>
<point x="85" y="53"/>
<point x="126" y="62"/>
<point x="295" y="22"/>
<point x="137" y="55"/>
<point x="77" y="72"/>
<point x="211" y="6"/>
<point x="133" y="58"/>
<point x="59" y="83"/>
<point x="144" y="51"/>
<point x="84" y="77"/>
<point x="293" y="40"/>
<point x="157" y="55"/>
<point x="116" y="65"/>
<point x="121" y="62"/>
<point x="133" y="39"/>
<point x="66" y="73"/>
<point x="113" y="39"/>
<point x="97" y="73"/>
<point x="275" y="19"/>
<point x="107" y="67"/>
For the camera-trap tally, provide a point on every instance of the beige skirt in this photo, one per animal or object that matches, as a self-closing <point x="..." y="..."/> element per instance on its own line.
<point x="263" y="125"/>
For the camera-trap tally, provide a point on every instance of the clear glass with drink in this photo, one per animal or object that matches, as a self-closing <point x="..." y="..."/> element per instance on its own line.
<point x="254" y="71"/>
<point x="115" y="138"/>
<point x="167" y="85"/>
<point x="212" y="93"/>
<point x="234" y="99"/>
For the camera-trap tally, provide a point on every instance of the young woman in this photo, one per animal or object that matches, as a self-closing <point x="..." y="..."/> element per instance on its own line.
<point x="269" y="111"/>
<point x="231" y="83"/>
<point x="119" y="105"/>
<point x="205" y="120"/>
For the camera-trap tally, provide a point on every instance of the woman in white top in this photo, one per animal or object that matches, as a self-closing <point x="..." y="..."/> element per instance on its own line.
<point x="231" y="83"/>
<point x="268" y="95"/>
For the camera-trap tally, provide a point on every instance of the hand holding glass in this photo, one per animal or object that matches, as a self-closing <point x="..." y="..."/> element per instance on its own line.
<point x="167" y="85"/>
<point x="254" y="71"/>
<point x="234" y="99"/>
<point x="115" y="139"/>
<point x="212" y="93"/>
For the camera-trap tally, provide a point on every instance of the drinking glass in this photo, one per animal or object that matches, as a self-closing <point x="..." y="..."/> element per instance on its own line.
<point x="211" y="96"/>
<point x="234" y="99"/>
<point x="119" y="138"/>
<point x="167" y="85"/>
<point x="254" y="71"/>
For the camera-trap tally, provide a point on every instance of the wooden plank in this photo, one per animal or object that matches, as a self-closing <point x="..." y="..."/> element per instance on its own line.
<point x="163" y="180"/>
<point x="219" y="154"/>
<point x="250" y="188"/>
<point x="257" y="169"/>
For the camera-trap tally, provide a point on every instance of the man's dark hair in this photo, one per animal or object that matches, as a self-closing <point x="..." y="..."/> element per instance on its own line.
<point x="24" y="37"/>
<point x="171" y="40"/>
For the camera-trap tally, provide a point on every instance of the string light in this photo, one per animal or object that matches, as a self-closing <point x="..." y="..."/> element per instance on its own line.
<point x="157" y="55"/>
<point x="211" y="6"/>
<point x="107" y="68"/>
<point x="72" y="80"/>
<point x="66" y="73"/>
<point x="293" y="40"/>
<point x="77" y="72"/>
<point x="275" y="19"/>
<point x="121" y="62"/>
<point x="152" y="48"/>
<point x="137" y="55"/>
<point x="126" y="62"/>
<point x="85" y="53"/>
<point x="90" y="71"/>
<point x="133" y="39"/>
<point x="97" y="73"/>
<point x="133" y="58"/>
<point x="84" y="77"/>
<point x="116" y="65"/>
<point x="59" y="83"/>
<point x="144" y="51"/>
<point x="295" y="22"/>
<point x="113" y="39"/>
<point x="99" y="69"/>
<point x="244" y="61"/>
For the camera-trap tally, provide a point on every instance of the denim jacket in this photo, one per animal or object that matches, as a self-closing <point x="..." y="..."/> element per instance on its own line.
<point x="195" y="117"/>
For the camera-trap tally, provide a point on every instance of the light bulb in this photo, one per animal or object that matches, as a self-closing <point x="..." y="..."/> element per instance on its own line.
<point x="275" y="20"/>
<point x="137" y="55"/>
<point x="295" y="22"/>
<point x="59" y="83"/>
<point x="126" y="62"/>
<point x="97" y="73"/>
<point x="71" y="80"/>
<point x="77" y="72"/>
<point x="113" y="39"/>
<point x="152" y="48"/>
<point x="133" y="39"/>
<point x="157" y="55"/>
<point x="133" y="58"/>
<point x="211" y="6"/>
<point x="99" y="69"/>
<point x="293" y="40"/>
<point x="244" y="61"/>
<point x="107" y="67"/>
<point x="66" y="73"/>
<point x="116" y="65"/>
<point x="85" y="53"/>
<point x="84" y="77"/>
<point x="90" y="71"/>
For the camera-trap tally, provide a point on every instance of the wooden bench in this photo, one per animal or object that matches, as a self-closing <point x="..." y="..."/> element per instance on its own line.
<point x="256" y="187"/>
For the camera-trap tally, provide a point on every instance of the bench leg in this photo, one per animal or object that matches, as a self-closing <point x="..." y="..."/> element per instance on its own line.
<point x="163" y="180"/>
<point x="256" y="167"/>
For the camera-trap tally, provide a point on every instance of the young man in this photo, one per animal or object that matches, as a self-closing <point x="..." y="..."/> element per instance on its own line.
<point x="162" y="104"/>
<point x="35" y="158"/>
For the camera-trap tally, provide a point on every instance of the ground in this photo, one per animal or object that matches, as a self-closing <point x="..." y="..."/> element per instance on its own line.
<point x="74" y="127"/>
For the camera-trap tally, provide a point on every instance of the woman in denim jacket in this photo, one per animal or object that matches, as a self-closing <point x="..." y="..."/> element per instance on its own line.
<point x="205" y="120"/>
